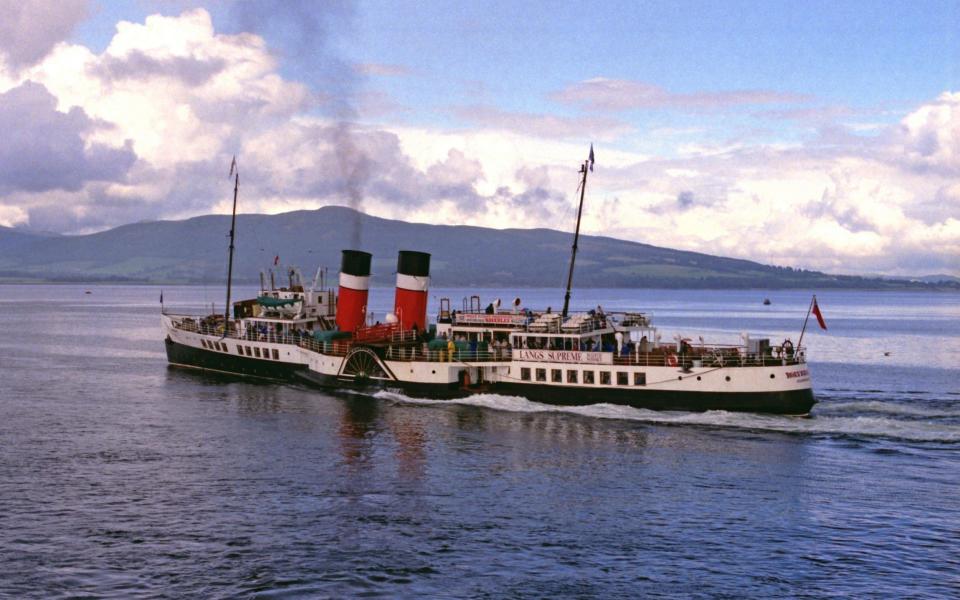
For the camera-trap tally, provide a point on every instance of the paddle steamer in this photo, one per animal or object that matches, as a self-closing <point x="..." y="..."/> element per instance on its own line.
<point x="323" y="337"/>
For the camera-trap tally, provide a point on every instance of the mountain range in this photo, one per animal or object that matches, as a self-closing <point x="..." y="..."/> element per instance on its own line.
<point x="195" y="251"/>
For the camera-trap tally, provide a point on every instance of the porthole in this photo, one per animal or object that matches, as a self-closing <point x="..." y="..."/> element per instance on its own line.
<point x="772" y="376"/>
<point x="698" y="378"/>
<point x="727" y="378"/>
<point x="680" y="378"/>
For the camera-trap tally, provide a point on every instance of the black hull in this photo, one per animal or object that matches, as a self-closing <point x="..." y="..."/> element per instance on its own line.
<point x="795" y="402"/>
<point x="222" y="362"/>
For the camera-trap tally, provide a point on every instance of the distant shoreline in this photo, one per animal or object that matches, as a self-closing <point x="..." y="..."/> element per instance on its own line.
<point x="190" y="252"/>
<point x="893" y="287"/>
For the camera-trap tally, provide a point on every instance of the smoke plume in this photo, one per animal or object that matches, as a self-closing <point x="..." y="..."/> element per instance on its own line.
<point x="312" y="31"/>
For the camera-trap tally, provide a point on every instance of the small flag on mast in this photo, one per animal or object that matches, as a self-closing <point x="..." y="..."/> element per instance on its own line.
<point x="276" y="260"/>
<point x="590" y="159"/>
<point x="818" y="315"/>
<point x="161" y="296"/>
<point x="233" y="166"/>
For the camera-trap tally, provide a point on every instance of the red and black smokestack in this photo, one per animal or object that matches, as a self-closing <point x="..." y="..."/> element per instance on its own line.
<point x="413" y="281"/>
<point x="354" y="286"/>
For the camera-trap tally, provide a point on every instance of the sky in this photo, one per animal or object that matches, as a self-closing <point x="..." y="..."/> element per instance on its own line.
<point x="816" y="135"/>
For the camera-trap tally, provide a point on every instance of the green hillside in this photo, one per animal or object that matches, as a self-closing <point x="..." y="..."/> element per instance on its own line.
<point x="194" y="251"/>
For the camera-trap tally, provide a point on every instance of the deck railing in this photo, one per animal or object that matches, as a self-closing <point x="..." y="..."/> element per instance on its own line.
<point x="403" y="349"/>
<point x="712" y="360"/>
<point x="413" y="353"/>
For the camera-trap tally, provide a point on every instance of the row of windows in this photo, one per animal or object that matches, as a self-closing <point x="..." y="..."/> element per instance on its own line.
<point x="589" y="377"/>
<point x="214" y="345"/>
<point x="242" y="350"/>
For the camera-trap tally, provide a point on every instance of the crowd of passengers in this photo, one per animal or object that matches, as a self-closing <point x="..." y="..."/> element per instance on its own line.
<point x="213" y="325"/>
<point x="497" y="349"/>
<point x="607" y="343"/>
<point x="266" y="334"/>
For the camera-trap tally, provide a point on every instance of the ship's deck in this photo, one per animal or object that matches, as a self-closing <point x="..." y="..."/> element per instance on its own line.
<point x="403" y="347"/>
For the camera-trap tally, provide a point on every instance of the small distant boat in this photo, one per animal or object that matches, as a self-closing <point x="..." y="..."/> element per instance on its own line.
<point x="766" y="302"/>
<point x="88" y="292"/>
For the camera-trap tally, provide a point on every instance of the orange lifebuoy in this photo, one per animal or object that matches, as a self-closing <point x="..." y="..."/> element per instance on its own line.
<point x="671" y="360"/>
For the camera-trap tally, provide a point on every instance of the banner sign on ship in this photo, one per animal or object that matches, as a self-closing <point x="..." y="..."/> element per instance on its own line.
<point x="567" y="356"/>
<point x="486" y="319"/>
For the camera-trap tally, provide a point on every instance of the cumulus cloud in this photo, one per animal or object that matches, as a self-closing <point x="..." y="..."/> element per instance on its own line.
<point x="188" y="97"/>
<point x="930" y="136"/>
<point x="29" y="29"/>
<point x="176" y="88"/>
<point x="842" y="212"/>
<point x="136" y="64"/>
<point x="602" y="94"/>
<point x="44" y="149"/>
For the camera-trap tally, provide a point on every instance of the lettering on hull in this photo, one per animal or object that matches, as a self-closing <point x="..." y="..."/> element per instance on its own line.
<point x="565" y="356"/>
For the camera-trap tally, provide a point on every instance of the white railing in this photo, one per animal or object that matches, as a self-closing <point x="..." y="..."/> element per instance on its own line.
<point x="407" y="350"/>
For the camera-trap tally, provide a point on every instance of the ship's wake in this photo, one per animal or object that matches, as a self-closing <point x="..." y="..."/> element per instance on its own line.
<point x="871" y="419"/>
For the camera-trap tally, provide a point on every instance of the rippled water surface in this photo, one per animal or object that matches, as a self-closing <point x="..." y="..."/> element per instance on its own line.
<point x="121" y="477"/>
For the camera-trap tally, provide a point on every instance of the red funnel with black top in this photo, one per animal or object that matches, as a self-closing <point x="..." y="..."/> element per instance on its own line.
<point x="413" y="281"/>
<point x="354" y="289"/>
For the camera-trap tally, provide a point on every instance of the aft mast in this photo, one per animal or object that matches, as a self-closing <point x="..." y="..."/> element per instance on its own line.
<point x="235" y="172"/>
<point x="587" y="165"/>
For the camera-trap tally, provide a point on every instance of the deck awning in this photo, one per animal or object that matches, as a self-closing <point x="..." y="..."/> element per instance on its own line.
<point x="275" y="302"/>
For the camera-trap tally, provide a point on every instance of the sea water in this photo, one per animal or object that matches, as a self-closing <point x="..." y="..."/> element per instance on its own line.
<point x="123" y="477"/>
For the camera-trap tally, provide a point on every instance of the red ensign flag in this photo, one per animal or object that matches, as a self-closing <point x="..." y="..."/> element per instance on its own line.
<point x="276" y="260"/>
<point x="816" y="312"/>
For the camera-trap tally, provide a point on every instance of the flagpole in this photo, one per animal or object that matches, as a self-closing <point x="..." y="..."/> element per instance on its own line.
<point x="576" y="235"/>
<point x="233" y="227"/>
<point x="805" y="319"/>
